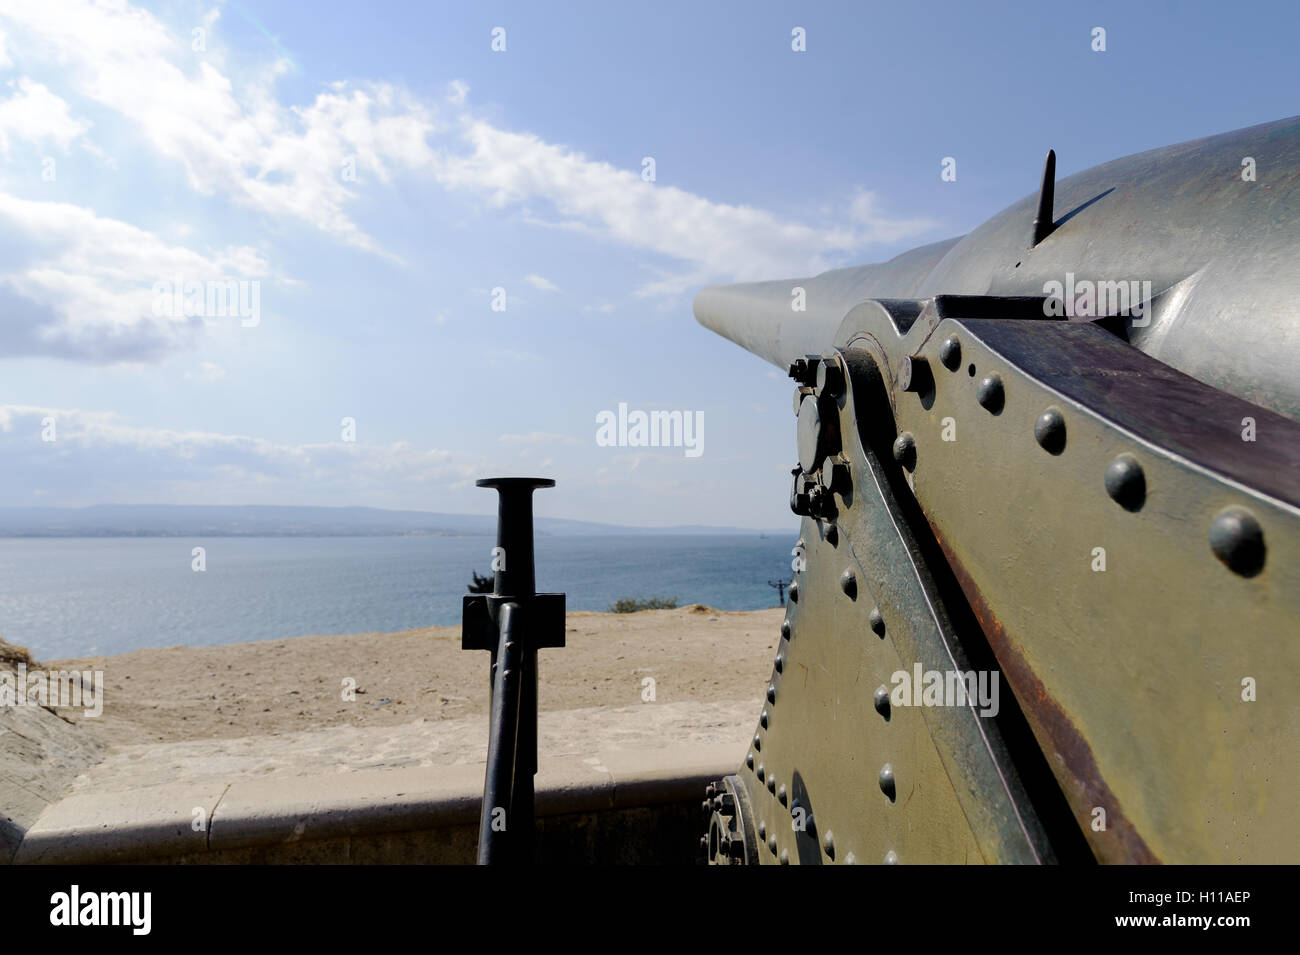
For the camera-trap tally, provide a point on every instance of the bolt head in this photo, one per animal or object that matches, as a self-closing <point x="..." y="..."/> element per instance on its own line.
<point x="771" y="693"/>
<point x="914" y="373"/>
<point x="886" y="780"/>
<point x="786" y="629"/>
<point x="1238" y="541"/>
<point x="804" y="370"/>
<point x="880" y="700"/>
<point x="809" y="435"/>
<point x="950" y="353"/>
<point x="990" y="394"/>
<point x="830" y="378"/>
<point x="876" y="622"/>
<point x="905" y="450"/>
<point x="1125" y="482"/>
<point x="1049" y="431"/>
<point x="849" y="583"/>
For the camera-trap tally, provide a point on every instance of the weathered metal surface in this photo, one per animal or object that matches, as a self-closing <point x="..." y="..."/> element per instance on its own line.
<point x="1117" y="500"/>
<point x="1132" y="676"/>
<point x="1219" y="252"/>
<point x="835" y="773"/>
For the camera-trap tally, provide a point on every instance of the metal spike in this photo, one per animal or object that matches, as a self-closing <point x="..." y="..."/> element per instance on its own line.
<point x="1046" y="194"/>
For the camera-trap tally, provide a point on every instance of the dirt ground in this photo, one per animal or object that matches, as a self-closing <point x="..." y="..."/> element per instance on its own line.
<point x="281" y="686"/>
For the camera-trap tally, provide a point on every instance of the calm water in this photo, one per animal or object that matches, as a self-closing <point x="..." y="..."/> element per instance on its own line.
<point x="80" y="596"/>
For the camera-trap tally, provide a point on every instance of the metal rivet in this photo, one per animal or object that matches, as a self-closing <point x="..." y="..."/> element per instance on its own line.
<point x="905" y="450"/>
<point x="891" y="857"/>
<point x="877" y="622"/>
<point x="779" y="663"/>
<point x="758" y="741"/>
<point x="771" y="843"/>
<point x="880" y="700"/>
<point x="771" y="693"/>
<point x="785" y="857"/>
<point x="762" y="829"/>
<point x="829" y="842"/>
<point x="762" y="719"/>
<point x="771" y="784"/>
<point x="849" y="583"/>
<point x="850" y="859"/>
<point x="886" y="781"/>
<point x="1049" y="431"/>
<point x="749" y="760"/>
<point x="1237" y="539"/>
<point x="761" y="772"/>
<point x="950" y="353"/>
<point x="794" y="593"/>
<point x="1125" y="482"/>
<point x="990" y="394"/>
<point x="785" y="629"/>
<point x="781" y="794"/>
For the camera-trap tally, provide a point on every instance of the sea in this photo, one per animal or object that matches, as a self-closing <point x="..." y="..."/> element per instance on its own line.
<point x="71" y="597"/>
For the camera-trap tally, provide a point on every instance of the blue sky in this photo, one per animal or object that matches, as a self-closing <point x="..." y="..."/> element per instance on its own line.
<point x="130" y="158"/>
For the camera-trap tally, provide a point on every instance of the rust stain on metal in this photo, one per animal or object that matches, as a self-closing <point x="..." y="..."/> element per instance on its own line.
<point x="1084" y="786"/>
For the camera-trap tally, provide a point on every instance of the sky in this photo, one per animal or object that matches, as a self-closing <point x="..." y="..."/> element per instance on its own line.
<point x="366" y="181"/>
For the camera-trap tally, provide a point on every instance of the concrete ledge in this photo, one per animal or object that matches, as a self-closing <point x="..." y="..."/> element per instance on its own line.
<point x="121" y="826"/>
<point x="400" y="815"/>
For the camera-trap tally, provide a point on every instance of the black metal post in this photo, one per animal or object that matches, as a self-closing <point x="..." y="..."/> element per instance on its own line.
<point x="513" y="622"/>
<point x="503" y="750"/>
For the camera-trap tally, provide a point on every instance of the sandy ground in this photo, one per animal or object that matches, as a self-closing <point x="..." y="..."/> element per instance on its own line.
<point x="177" y="694"/>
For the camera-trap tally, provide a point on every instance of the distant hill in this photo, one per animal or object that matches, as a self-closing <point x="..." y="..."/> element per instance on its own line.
<point x="148" y="520"/>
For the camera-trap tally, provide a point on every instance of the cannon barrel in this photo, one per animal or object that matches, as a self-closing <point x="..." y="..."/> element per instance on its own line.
<point x="1049" y="551"/>
<point x="1213" y="225"/>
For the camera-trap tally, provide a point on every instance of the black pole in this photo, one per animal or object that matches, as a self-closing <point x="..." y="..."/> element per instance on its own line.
<point x="503" y="741"/>
<point x="512" y="622"/>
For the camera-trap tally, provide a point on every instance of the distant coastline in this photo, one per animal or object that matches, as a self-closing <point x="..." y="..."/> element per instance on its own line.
<point x="132" y="520"/>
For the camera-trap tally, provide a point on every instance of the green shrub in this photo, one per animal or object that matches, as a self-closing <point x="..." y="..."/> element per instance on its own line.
<point x="634" y="604"/>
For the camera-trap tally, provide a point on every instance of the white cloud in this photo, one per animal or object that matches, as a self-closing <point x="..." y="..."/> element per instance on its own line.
<point x="207" y="371"/>
<point x="84" y="288"/>
<point x="542" y="283"/>
<point x="281" y="161"/>
<point x="716" y="239"/>
<point x="35" y="114"/>
<point x="537" y="438"/>
<point x="97" y="458"/>
<point x="231" y="136"/>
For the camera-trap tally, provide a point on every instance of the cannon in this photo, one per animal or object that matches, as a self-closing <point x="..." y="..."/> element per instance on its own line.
<point x="1046" y="595"/>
